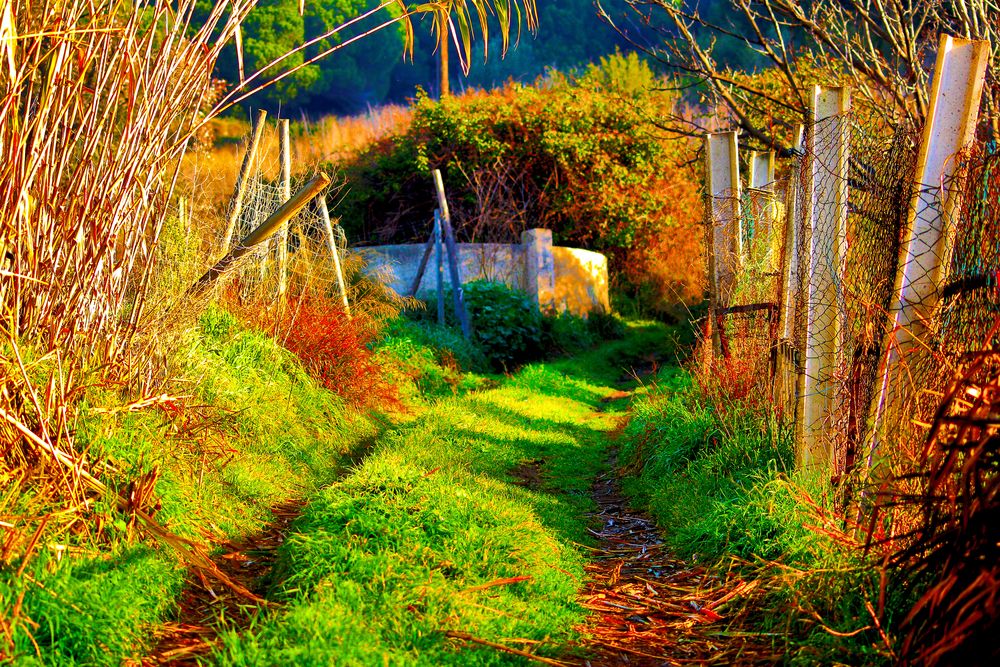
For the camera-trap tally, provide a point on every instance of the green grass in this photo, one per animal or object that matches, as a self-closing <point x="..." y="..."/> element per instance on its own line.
<point x="381" y="562"/>
<point x="384" y="553"/>
<point x="269" y="435"/>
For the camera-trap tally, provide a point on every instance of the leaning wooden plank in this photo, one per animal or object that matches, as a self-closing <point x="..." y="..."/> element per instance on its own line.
<point x="424" y="258"/>
<point x="266" y="230"/>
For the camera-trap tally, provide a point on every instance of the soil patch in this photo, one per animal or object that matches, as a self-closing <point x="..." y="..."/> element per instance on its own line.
<point x="529" y="474"/>
<point x="650" y="608"/>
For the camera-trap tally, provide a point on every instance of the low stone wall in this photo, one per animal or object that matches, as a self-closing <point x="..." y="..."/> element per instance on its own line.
<point x="554" y="276"/>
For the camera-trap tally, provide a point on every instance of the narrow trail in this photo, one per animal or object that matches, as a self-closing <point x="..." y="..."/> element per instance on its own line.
<point x="646" y="606"/>
<point x="649" y="608"/>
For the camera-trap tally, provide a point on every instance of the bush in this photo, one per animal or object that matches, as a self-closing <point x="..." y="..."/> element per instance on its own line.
<point x="506" y="325"/>
<point x="578" y="156"/>
<point x="333" y="348"/>
<point x="507" y="328"/>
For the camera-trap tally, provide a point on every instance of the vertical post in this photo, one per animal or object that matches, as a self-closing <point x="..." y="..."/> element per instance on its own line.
<point x="790" y="271"/>
<point x="761" y="170"/>
<point x="786" y="355"/>
<point x="956" y="92"/>
<point x="539" y="267"/>
<point x="723" y="237"/>
<point x="762" y="180"/>
<point x="453" y="259"/>
<point x="826" y="194"/>
<point x="331" y="240"/>
<point x="723" y="182"/>
<point x="246" y="169"/>
<point x="286" y="193"/>
<point x="439" y="266"/>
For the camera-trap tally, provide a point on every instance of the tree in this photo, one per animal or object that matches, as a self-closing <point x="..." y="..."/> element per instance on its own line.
<point x="881" y="49"/>
<point x="287" y="55"/>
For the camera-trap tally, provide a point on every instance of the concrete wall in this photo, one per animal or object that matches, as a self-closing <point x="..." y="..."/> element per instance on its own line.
<point x="563" y="278"/>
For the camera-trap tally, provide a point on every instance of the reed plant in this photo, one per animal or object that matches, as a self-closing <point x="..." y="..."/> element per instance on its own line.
<point x="100" y="100"/>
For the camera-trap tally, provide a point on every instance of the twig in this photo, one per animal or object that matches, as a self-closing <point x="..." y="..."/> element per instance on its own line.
<point x="497" y="582"/>
<point x="465" y="636"/>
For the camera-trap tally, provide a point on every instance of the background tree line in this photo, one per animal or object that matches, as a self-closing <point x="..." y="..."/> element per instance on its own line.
<point x="571" y="34"/>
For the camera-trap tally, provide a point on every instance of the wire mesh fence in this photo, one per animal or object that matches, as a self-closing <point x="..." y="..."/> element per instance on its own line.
<point x="809" y="268"/>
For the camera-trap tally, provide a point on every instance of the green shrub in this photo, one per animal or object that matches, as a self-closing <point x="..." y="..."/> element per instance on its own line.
<point x="449" y="346"/>
<point x="582" y="157"/>
<point x="506" y="325"/>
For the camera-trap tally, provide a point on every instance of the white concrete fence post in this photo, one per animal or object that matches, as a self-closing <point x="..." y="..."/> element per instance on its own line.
<point x="539" y="267"/>
<point x="956" y="92"/>
<point x="826" y="217"/>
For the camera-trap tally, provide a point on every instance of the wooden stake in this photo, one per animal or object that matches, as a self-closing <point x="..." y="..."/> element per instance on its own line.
<point x="265" y="231"/>
<point x="286" y="193"/>
<point x="428" y="248"/>
<point x="246" y="170"/>
<point x="439" y="266"/>
<point x="331" y="240"/>
<point x="453" y="258"/>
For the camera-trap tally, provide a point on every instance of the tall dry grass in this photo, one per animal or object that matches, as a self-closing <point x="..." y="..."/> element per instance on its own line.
<point x="100" y="100"/>
<point x="209" y="171"/>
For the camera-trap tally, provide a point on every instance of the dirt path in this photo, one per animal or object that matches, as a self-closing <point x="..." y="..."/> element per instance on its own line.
<point x="648" y="607"/>
<point x="248" y="563"/>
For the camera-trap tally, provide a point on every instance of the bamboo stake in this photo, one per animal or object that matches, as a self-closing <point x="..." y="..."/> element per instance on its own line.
<point x="266" y="229"/>
<point x="331" y="239"/>
<point x="248" y="166"/>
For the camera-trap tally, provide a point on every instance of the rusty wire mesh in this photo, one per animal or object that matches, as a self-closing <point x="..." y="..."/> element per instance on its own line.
<point x="851" y="193"/>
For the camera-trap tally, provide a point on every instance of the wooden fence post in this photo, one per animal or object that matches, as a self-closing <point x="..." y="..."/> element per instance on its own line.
<point x="439" y="265"/>
<point x="956" y="92"/>
<point x="266" y="229"/>
<point x="453" y="259"/>
<point x="826" y="201"/>
<point x="286" y="193"/>
<point x="723" y="236"/>
<point x="246" y="169"/>
<point x="331" y="240"/>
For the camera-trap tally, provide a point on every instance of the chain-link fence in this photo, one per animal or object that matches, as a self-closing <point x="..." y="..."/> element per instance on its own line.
<point x="808" y="270"/>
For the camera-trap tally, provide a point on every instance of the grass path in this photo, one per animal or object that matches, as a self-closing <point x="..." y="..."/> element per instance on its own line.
<point x="469" y="528"/>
